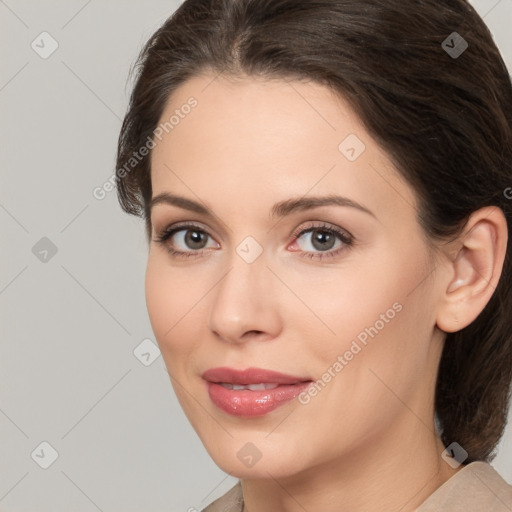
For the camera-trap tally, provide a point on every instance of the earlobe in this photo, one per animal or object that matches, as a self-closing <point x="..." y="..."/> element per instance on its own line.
<point x="475" y="270"/>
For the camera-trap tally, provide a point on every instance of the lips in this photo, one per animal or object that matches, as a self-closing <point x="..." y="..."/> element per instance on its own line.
<point x="251" y="392"/>
<point x="250" y="376"/>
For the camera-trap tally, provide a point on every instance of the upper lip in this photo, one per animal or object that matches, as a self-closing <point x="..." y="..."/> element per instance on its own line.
<point x="250" y="376"/>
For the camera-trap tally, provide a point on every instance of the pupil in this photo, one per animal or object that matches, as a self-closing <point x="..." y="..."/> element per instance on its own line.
<point x="323" y="237"/>
<point x="194" y="237"/>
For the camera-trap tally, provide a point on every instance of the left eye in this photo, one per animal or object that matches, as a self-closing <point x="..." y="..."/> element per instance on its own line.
<point x="321" y="239"/>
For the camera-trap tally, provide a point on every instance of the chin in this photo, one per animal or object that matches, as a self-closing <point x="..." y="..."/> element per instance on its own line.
<point x="258" y="458"/>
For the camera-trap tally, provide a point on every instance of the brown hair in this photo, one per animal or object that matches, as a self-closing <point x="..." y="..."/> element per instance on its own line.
<point x="445" y="120"/>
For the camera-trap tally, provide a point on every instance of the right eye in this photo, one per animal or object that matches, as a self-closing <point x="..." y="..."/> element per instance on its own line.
<point x="184" y="240"/>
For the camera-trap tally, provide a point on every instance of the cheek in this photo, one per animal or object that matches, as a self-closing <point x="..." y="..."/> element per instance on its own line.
<point x="374" y="321"/>
<point x="172" y="304"/>
<point x="349" y="301"/>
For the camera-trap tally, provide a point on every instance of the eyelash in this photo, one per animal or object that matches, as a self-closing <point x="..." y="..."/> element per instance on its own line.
<point x="340" y="235"/>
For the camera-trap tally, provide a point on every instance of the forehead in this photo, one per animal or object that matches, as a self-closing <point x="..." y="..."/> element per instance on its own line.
<point x="254" y="117"/>
<point x="252" y="139"/>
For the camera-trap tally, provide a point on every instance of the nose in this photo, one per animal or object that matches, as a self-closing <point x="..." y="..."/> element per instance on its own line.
<point x="245" y="302"/>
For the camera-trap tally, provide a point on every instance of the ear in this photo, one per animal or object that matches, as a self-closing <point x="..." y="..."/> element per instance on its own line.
<point x="474" y="269"/>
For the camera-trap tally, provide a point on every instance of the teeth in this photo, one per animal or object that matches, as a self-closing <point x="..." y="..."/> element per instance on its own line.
<point x="250" y="387"/>
<point x="261" y="387"/>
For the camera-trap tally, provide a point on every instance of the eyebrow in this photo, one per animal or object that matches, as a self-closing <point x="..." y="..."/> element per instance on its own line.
<point x="280" y="209"/>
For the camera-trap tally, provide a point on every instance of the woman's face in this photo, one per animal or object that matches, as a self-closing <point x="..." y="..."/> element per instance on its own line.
<point x="260" y="283"/>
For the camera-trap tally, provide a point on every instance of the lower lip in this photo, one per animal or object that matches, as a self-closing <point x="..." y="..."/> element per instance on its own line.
<point x="244" y="402"/>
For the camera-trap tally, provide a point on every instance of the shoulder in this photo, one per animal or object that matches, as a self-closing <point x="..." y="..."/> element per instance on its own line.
<point x="478" y="486"/>
<point x="232" y="501"/>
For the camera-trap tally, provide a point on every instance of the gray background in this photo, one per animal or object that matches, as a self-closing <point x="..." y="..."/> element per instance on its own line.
<point x="72" y="320"/>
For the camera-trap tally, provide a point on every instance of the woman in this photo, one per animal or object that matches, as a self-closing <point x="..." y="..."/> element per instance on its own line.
<point x="326" y="191"/>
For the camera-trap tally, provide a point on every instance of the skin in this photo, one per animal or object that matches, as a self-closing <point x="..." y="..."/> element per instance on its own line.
<point x="367" y="441"/>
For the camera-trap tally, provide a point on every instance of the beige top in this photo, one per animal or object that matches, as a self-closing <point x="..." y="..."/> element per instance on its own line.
<point x="476" y="487"/>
